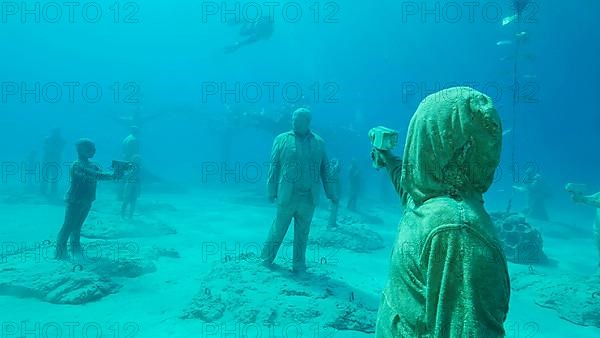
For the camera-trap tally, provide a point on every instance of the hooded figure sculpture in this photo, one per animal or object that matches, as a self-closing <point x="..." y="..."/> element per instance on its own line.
<point x="448" y="275"/>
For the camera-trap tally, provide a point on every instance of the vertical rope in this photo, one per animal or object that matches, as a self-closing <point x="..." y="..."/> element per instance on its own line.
<point x="516" y="91"/>
<point x="516" y="97"/>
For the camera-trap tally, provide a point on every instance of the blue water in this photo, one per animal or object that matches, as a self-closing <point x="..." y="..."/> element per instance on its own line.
<point x="371" y="52"/>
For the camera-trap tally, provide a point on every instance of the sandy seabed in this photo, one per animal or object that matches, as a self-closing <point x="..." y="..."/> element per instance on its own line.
<point x="186" y="266"/>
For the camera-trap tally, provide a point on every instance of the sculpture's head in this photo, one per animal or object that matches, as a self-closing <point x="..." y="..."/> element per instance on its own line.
<point x="134" y="130"/>
<point x="86" y="148"/>
<point x="301" y="121"/>
<point x="452" y="147"/>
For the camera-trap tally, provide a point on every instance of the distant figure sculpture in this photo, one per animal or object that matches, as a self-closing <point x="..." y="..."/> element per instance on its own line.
<point x="31" y="164"/>
<point x="131" y="148"/>
<point x="334" y="182"/>
<point x="354" y="183"/>
<point x="80" y="196"/>
<point x="592" y="201"/>
<point x="253" y="31"/>
<point x="448" y="274"/>
<point x="537" y="194"/>
<point x="51" y="163"/>
<point x="298" y="166"/>
<point x="131" y="191"/>
<point x="131" y="144"/>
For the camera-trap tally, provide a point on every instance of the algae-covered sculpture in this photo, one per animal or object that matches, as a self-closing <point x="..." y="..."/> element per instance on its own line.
<point x="298" y="166"/>
<point x="537" y="193"/>
<point x="448" y="275"/>
<point x="577" y="193"/>
<point x="80" y="196"/>
<point x="131" y="144"/>
<point x="51" y="162"/>
<point x="131" y="148"/>
<point x="354" y="185"/>
<point x="334" y="183"/>
<point x="132" y="188"/>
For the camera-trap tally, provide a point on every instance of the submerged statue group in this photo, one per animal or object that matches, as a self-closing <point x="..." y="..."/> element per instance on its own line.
<point x="84" y="175"/>
<point x="441" y="286"/>
<point x="451" y="280"/>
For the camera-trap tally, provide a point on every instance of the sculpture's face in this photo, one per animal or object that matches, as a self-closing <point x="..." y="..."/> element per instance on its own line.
<point x="91" y="151"/>
<point x="301" y="122"/>
<point x="87" y="150"/>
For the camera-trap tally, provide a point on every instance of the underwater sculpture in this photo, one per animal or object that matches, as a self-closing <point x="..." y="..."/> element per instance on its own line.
<point x="537" y="194"/>
<point x="298" y="164"/>
<point x="131" y="148"/>
<point x="334" y="180"/>
<point x="131" y="144"/>
<point x="448" y="275"/>
<point x="354" y="178"/>
<point x="577" y="193"/>
<point x="51" y="163"/>
<point x="131" y="189"/>
<point x="80" y="196"/>
<point x="31" y="162"/>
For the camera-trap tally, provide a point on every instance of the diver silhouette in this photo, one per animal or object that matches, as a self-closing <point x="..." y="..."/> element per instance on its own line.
<point x="253" y="31"/>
